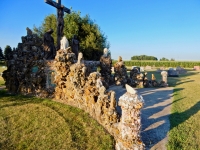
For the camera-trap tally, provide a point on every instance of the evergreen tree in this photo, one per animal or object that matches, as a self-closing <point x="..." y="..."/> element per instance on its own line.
<point x="1" y="54"/>
<point x="92" y="40"/>
<point x="7" y="51"/>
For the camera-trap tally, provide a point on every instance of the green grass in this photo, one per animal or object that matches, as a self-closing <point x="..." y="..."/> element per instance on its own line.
<point x="33" y="123"/>
<point x="184" y="131"/>
<point x="2" y="82"/>
<point x="184" y="119"/>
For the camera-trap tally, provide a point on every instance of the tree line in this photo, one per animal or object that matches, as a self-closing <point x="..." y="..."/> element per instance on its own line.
<point x="4" y="55"/>
<point x="153" y="58"/>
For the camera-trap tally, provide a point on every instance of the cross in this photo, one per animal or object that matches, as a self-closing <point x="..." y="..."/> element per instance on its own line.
<point x="60" y="21"/>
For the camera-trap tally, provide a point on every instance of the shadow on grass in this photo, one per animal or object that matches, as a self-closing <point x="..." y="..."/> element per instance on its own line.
<point x="178" y="118"/>
<point x="16" y="100"/>
<point x="156" y="122"/>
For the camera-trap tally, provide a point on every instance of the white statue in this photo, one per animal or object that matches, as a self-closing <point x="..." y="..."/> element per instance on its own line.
<point x="164" y="76"/>
<point x="106" y="52"/>
<point x="80" y="58"/>
<point x="64" y="43"/>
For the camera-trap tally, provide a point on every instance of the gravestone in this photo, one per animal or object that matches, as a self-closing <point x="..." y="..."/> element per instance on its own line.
<point x="141" y="68"/>
<point x="180" y="70"/>
<point x="158" y="70"/>
<point x="148" y="68"/>
<point x="162" y="68"/>
<point x="196" y="67"/>
<point x="172" y="73"/>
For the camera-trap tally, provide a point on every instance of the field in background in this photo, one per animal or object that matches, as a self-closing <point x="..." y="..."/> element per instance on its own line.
<point x="184" y="64"/>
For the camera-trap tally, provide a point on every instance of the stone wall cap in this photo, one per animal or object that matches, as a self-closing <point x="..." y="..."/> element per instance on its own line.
<point x="130" y="90"/>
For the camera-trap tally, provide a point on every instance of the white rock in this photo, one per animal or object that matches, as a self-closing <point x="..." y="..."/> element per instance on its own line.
<point x="130" y="90"/>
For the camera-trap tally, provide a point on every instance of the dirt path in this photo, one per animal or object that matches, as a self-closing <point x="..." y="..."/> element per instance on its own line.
<point x="155" y="115"/>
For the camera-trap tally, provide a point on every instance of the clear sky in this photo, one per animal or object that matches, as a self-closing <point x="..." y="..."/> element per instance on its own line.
<point x="160" y="28"/>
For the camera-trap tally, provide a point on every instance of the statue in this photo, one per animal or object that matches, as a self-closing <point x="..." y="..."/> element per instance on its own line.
<point x="64" y="43"/>
<point x="106" y="52"/>
<point x="105" y="65"/>
<point x="121" y="75"/>
<point x="75" y="45"/>
<point x="48" y="45"/>
<point x="29" y="32"/>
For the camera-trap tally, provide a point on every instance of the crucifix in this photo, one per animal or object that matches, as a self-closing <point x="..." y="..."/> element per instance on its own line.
<point x="60" y="21"/>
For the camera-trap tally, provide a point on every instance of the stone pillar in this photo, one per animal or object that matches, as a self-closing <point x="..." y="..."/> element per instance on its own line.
<point x="130" y="124"/>
<point x="164" y="77"/>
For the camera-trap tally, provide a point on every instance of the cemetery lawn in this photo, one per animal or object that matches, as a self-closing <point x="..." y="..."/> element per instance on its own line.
<point x="2" y="82"/>
<point x="185" y="114"/>
<point x="184" y="131"/>
<point x="34" y="123"/>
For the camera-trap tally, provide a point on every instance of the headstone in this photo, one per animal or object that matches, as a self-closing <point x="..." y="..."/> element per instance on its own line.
<point x="172" y="73"/>
<point x="141" y="68"/>
<point x="158" y="70"/>
<point x="196" y="67"/>
<point x="148" y="68"/>
<point x="162" y="68"/>
<point x="180" y="70"/>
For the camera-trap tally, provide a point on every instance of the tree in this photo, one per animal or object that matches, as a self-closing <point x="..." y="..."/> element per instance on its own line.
<point x="172" y="59"/>
<point x="7" y="51"/>
<point x="92" y="40"/>
<point x="164" y="59"/>
<point x="1" y="54"/>
<point x="143" y="57"/>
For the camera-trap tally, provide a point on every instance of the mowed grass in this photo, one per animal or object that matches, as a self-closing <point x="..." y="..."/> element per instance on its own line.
<point x="2" y="82"/>
<point x="185" y="114"/>
<point x="33" y="123"/>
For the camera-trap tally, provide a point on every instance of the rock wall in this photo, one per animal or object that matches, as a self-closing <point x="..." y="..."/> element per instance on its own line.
<point x="26" y="68"/>
<point x="76" y="86"/>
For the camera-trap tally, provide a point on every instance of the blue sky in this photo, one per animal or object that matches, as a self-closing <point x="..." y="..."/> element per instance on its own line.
<point x="160" y="28"/>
